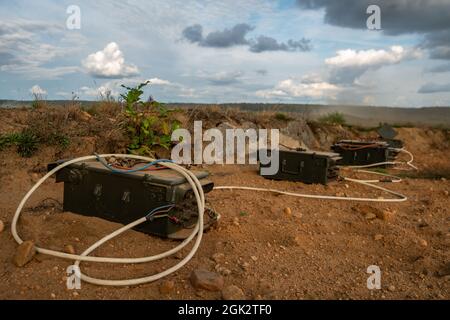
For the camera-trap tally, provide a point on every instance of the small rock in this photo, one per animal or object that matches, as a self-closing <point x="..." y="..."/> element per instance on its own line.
<point x="370" y="216"/>
<point x="254" y="258"/>
<point x="225" y="271"/>
<point x="2" y="226"/>
<point x="367" y="211"/>
<point x="378" y="237"/>
<point x="298" y="215"/>
<point x="391" y="288"/>
<point x="236" y="221"/>
<point x="75" y="294"/>
<point x="207" y="280"/>
<point x="233" y="293"/>
<point x="222" y="270"/>
<point x="166" y="286"/>
<point x="53" y="295"/>
<point x="423" y="243"/>
<point x="288" y="211"/>
<point x="445" y="192"/>
<point x="385" y="215"/>
<point x="218" y="257"/>
<point x="69" y="249"/>
<point x="245" y="265"/>
<point x="423" y="224"/>
<point x="25" y="253"/>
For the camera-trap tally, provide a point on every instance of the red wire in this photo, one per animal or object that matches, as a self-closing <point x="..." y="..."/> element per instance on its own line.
<point x="356" y="147"/>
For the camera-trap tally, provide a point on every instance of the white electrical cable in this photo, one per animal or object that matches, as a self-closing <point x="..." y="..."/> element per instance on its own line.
<point x="197" y="231"/>
<point x="400" y="196"/>
<point x="368" y="183"/>
<point x="409" y="162"/>
<point x="391" y="177"/>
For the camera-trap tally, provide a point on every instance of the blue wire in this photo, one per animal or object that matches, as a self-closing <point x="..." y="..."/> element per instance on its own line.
<point x="132" y="170"/>
<point x="149" y="216"/>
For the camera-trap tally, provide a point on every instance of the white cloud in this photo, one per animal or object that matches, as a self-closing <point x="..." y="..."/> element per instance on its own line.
<point x="290" y="88"/>
<point x="224" y="77"/>
<point x="159" y="82"/>
<point x="37" y="90"/>
<point x="371" y="57"/>
<point x="104" y="90"/>
<point x="109" y="63"/>
<point x="349" y="65"/>
<point x="26" y="49"/>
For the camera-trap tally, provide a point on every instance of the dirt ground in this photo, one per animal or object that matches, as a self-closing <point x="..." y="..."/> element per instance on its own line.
<point x="320" y="251"/>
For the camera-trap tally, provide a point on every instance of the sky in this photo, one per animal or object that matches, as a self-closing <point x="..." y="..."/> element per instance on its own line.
<point x="289" y="51"/>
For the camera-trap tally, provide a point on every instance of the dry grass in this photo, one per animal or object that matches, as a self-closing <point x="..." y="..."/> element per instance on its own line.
<point x="212" y="116"/>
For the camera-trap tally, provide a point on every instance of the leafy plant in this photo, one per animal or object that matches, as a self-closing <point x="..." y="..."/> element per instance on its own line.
<point x="132" y="97"/>
<point x="7" y="140"/>
<point x="27" y="143"/>
<point x="149" y="124"/>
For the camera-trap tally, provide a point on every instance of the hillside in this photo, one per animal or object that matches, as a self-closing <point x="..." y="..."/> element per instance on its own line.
<point x="367" y="116"/>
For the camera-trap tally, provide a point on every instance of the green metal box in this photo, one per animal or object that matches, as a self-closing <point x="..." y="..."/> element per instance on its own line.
<point x="91" y="189"/>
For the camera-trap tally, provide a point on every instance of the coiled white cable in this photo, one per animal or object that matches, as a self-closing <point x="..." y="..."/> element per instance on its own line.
<point x="197" y="231"/>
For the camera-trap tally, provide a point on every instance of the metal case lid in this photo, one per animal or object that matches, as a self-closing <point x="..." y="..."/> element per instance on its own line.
<point x="164" y="177"/>
<point x="387" y="132"/>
